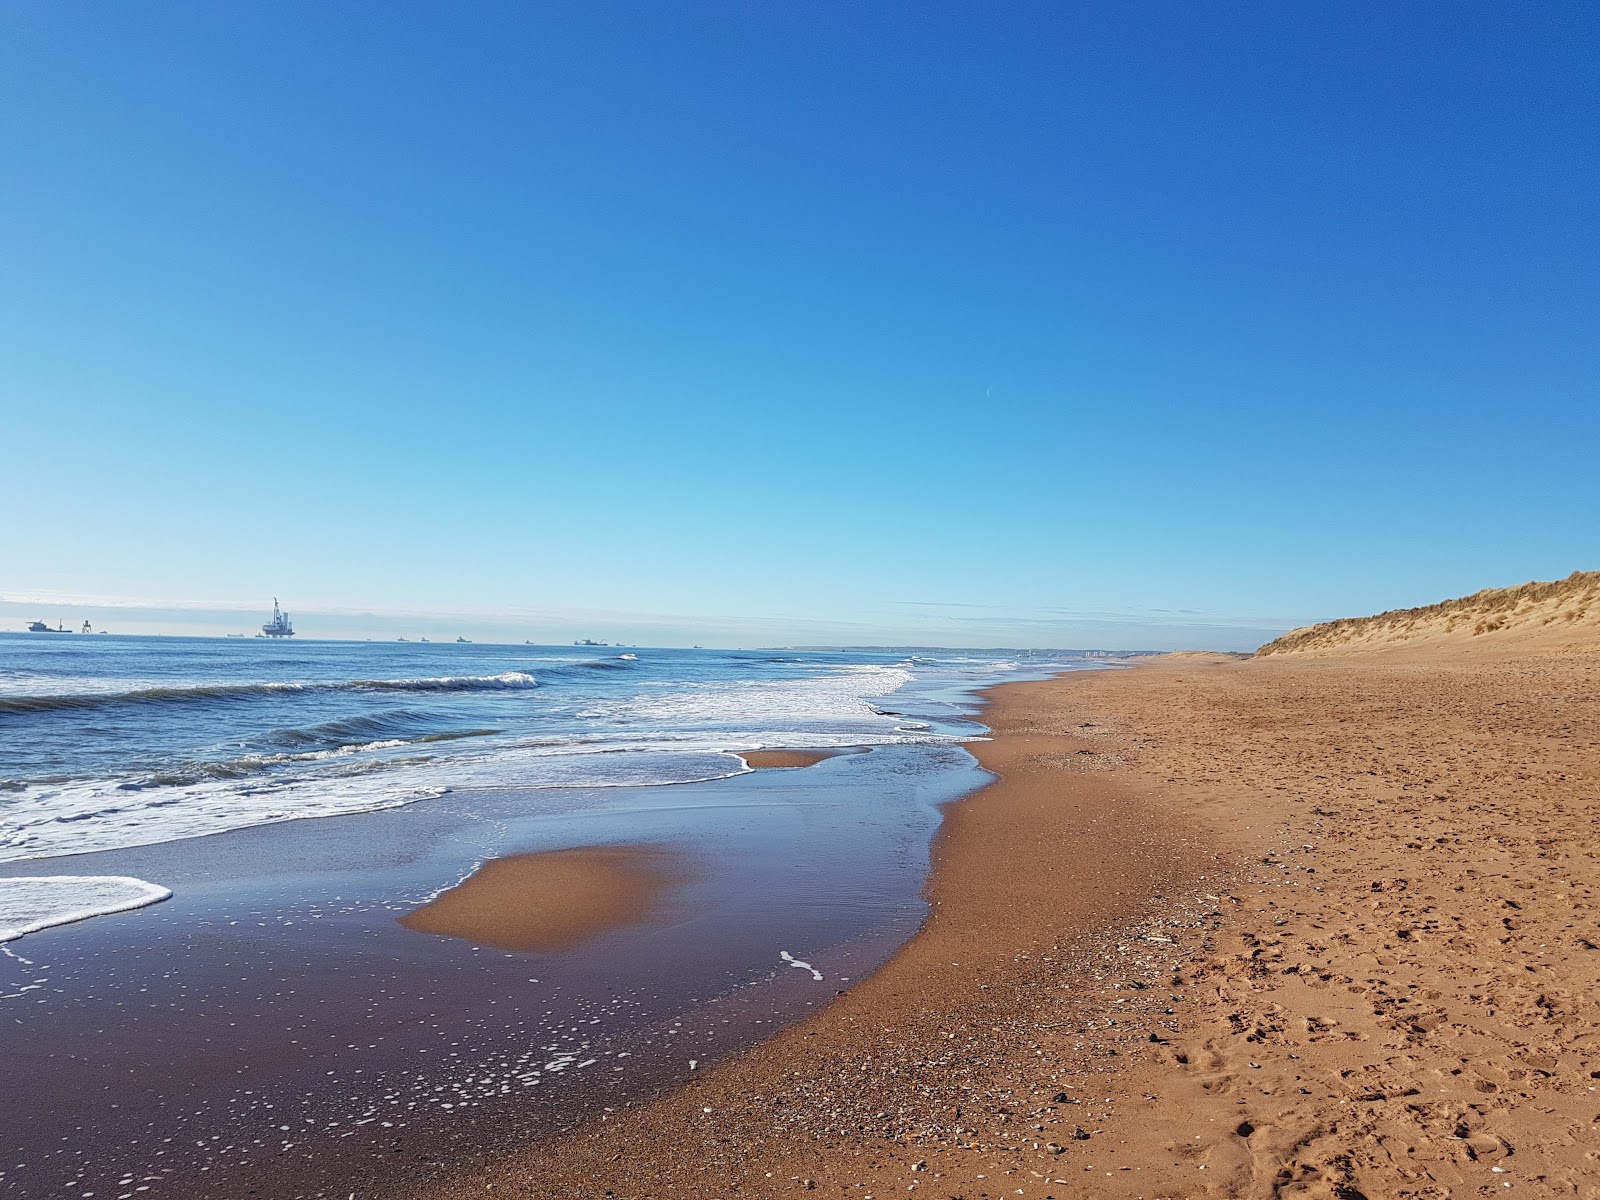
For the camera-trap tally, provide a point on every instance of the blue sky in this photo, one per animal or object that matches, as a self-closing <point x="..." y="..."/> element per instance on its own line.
<point x="736" y="323"/>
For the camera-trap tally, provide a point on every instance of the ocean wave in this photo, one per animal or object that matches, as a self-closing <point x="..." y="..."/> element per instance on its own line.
<point x="81" y="817"/>
<point x="247" y="765"/>
<point x="585" y="670"/>
<point x="366" y="727"/>
<point x="601" y="728"/>
<point x="398" y="724"/>
<point x="504" y="681"/>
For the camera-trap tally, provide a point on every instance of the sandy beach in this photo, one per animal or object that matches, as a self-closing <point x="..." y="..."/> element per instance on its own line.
<point x="726" y="601"/>
<point x="1317" y="923"/>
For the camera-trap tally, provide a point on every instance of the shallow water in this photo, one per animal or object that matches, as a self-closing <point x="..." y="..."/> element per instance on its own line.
<point x="273" y="1027"/>
<point x="109" y="742"/>
<point x="277" y="988"/>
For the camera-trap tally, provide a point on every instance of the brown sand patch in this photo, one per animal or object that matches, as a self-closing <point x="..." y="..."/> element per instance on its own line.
<point x="552" y="901"/>
<point x="766" y="759"/>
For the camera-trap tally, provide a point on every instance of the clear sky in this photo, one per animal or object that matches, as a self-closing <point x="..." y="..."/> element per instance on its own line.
<point x="1052" y="324"/>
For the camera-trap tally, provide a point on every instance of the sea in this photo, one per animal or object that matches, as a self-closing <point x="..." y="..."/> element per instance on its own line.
<point x="108" y="742"/>
<point x="207" y="848"/>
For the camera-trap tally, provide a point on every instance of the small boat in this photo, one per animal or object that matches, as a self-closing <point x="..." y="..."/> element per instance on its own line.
<point x="588" y="642"/>
<point x="41" y="627"/>
<point x="463" y="641"/>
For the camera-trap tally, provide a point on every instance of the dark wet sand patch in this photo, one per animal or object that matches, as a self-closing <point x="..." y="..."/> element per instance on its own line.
<point x="555" y="900"/>
<point x="766" y="759"/>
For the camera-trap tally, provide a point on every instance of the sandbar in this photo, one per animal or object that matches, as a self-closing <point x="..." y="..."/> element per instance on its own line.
<point x="761" y="760"/>
<point x="555" y="900"/>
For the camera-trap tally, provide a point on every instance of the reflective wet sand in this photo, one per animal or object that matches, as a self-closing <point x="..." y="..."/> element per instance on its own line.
<point x="274" y="1029"/>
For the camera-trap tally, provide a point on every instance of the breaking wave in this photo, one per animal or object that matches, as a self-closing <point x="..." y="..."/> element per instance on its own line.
<point x="505" y="681"/>
<point x="247" y="765"/>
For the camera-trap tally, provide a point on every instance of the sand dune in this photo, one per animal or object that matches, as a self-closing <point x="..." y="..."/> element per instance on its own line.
<point x="1562" y="612"/>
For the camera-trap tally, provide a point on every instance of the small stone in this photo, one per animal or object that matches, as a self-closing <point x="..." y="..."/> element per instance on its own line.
<point x="1080" y="1134"/>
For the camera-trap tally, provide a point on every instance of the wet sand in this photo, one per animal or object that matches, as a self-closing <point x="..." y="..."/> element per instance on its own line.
<point x="273" y="1029"/>
<point x="1296" y="926"/>
<point x="761" y="760"/>
<point x="550" y="902"/>
<point x="945" y="1047"/>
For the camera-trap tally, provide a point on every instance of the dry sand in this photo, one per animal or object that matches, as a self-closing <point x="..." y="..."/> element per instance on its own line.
<point x="1307" y="925"/>
<point x="552" y="901"/>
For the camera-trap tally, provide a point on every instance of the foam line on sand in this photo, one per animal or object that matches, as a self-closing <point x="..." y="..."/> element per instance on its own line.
<point x="29" y="904"/>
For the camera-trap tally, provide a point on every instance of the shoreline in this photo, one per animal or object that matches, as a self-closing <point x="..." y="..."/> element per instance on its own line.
<point x="948" y="1020"/>
<point x="1317" y="926"/>
<point x="282" y="967"/>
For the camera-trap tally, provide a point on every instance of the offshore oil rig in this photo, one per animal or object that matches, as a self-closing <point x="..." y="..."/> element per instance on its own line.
<point x="279" y="626"/>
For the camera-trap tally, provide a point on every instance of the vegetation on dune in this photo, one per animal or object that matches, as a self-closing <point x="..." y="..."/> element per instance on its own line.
<point x="1528" y="606"/>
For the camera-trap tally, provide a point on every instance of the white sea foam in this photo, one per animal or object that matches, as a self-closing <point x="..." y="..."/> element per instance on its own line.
<point x="29" y="904"/>
<point x="43" y="821"/>
<point x="843" y="694"/>
<point x="795" y="962"/>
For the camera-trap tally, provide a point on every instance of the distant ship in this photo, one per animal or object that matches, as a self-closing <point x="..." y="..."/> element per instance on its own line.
<point x="588" y="642"/>
<point x="279" y="626"/>
<point x="41" y="627"/>
<point x="461" y="641"/>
